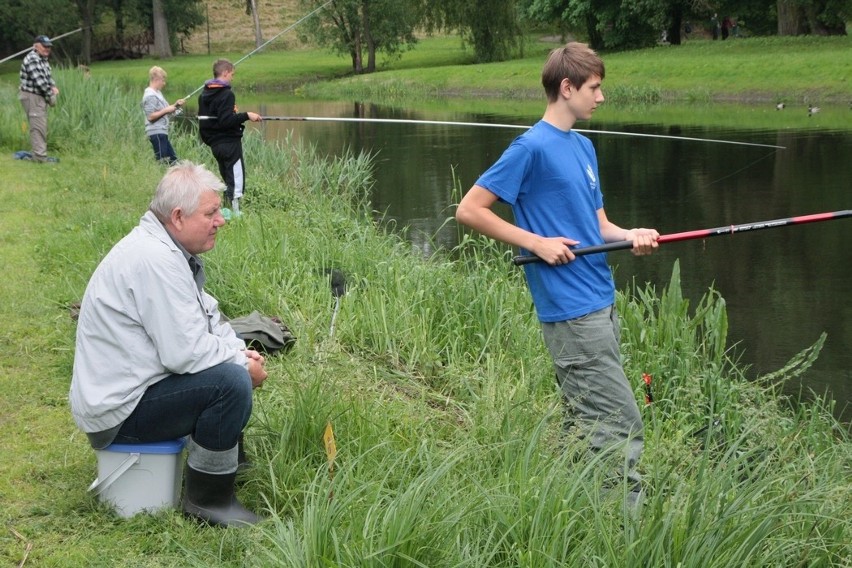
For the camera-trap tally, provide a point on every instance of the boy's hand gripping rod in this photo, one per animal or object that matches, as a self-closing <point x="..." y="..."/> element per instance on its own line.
<point x="700" y="234"/>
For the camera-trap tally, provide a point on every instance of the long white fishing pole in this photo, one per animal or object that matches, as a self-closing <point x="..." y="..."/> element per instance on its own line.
<point x="14" y="55"/>
<point x="496" y="125"/>
<point x="267" y="42"/>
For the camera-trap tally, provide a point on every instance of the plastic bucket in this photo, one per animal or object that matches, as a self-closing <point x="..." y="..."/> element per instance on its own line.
<point x="140" y="477"/>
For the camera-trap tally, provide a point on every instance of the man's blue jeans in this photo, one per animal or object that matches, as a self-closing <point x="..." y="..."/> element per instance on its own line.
<point x="213" y="406"/>
<point x="163" y="150"/>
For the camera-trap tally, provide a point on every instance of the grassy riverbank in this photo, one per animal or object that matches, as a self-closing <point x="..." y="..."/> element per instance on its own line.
<point x="436" y="383"/>
<point x="756" y="70"/>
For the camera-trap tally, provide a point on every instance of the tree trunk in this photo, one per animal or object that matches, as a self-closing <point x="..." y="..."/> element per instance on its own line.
<point x="676" y="21"/>
<point x="258" y="34"/>
<point x="87" y="11"/>
<point x="788" y="18"/>
<point x="357" y="58"/>
<point x="162" y="47"/>
<point x="368" y="38"/>
<point x="118" y="12"/>
<point x="86" y="55"/>
<point x="595" y="37"/>
<point x="818" y="27"/>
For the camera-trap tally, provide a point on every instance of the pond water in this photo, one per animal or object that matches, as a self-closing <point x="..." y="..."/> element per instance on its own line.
<point x="783" y="287"/>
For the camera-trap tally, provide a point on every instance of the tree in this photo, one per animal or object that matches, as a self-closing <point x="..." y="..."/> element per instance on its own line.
<point x="626" y="24"/>
<point x="120" y="27"/>
<point x="179" y="18"/>
<point x="821" y="17"/>
<point x="674" y="22"/>
<point x="22" y="20"/>
<point x="610" y="24"/>
<point x="363" y="27"/>
<point x="89" y="16"/>
<point x="251" y="9"/>
<point x="491" y="27"/>
<point x="162" y="46"/>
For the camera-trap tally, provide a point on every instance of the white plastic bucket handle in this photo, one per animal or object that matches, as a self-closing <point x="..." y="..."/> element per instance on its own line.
<point x="99" y="486"/>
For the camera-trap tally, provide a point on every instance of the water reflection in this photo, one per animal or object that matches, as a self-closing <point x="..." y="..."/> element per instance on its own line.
<point x="783" y="287"/>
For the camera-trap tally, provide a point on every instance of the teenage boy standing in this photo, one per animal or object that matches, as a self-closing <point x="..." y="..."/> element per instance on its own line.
<point x="549" y="176"/>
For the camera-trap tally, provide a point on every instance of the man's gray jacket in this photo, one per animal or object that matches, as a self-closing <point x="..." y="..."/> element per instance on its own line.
<point x="142" y="319"/>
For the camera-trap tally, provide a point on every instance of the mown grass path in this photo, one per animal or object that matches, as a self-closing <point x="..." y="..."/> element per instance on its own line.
<point x="33" y="413"/>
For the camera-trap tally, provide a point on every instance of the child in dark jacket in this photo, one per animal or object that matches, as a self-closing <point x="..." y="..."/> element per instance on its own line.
<point x="221" y="128"/>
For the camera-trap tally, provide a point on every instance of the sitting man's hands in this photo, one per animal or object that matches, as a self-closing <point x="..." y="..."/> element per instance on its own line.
<point x="255" y="367"/>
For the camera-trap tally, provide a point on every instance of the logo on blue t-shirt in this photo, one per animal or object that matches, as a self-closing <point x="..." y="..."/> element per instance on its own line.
<point x="593" y="182"/>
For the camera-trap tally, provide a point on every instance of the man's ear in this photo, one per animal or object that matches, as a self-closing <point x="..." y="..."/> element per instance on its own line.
<point x="176" y="217"/>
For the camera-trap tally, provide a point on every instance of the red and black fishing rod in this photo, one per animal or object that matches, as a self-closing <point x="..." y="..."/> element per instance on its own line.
<point x="701" y="234"/>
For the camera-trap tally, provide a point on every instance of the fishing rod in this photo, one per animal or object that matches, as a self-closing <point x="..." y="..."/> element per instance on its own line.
<point x="700" y="234"/>
<point x="14" y="55"/>
<point x="494" y="125"/>
<point x="267" y="42"/>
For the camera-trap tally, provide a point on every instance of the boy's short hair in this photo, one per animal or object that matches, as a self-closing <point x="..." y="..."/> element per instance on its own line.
<point x="222" y="66"/>
<point x="574" y="61"/>
<point x="156" y="73"/>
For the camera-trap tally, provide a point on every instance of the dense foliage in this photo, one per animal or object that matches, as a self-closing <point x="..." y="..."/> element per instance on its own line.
<point x="626" y="24"/>
<point x="108" y="26"/>
<point x="493" y="28"/>
<point x="364" y="28"/>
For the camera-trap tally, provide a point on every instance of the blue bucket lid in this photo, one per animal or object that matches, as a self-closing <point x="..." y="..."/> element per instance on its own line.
<point x="164" y="447"/>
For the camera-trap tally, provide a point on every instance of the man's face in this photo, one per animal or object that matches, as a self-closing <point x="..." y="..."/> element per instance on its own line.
<point x="42" y="50"/>
<point x="586" y="99"/>
<point x="197" y="232"/>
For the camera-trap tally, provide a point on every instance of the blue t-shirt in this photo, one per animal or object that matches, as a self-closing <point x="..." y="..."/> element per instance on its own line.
<point x="550" y="178"/>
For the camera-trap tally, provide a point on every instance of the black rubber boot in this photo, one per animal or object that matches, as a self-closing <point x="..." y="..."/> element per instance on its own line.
<point x="211" y="498"/>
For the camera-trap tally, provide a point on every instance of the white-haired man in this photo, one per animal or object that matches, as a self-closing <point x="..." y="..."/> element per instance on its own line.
<point x="154" y="361"/>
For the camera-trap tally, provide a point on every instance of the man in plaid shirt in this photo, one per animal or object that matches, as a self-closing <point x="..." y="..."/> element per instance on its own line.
<point x="38" y="90"/>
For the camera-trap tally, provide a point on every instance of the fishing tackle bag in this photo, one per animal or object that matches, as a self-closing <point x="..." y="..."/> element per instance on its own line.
<point x="263" y="333"/>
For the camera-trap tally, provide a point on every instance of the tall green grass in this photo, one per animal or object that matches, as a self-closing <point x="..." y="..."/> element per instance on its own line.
<point x="436" y="383"/>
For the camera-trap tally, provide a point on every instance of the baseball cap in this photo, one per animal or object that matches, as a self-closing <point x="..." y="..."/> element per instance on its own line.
<point x="44" y="40"/>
